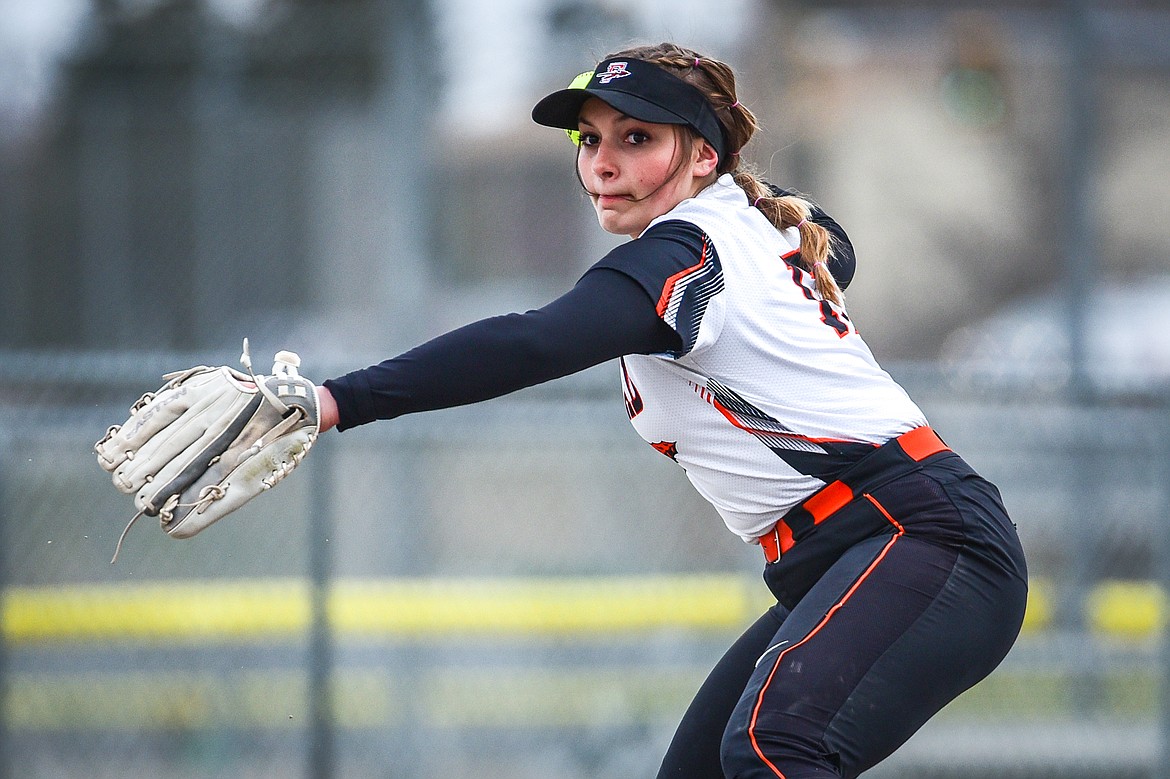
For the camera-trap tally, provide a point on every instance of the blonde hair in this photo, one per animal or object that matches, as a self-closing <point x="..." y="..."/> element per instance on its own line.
<point x="716" y="81"/>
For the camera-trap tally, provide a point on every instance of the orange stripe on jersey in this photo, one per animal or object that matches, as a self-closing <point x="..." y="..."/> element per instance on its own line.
<point x="780" y="657"/>
<point x="668" y="287"/>
<point x="730" y="417"/>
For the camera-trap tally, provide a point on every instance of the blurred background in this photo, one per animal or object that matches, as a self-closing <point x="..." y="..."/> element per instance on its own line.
<point x="522" y="588"/>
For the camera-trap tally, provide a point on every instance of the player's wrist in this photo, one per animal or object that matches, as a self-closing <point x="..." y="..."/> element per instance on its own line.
<point x="327" y="409"/>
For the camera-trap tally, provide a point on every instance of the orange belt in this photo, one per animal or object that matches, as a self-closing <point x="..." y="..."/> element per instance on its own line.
<point x="917" y="445"/>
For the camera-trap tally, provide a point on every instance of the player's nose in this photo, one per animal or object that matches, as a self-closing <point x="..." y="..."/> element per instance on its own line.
<point x="604" y="163"/>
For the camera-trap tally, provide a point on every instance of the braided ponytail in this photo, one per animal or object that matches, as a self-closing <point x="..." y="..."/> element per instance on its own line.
<point x="793" y="211"/>
<point x="716" y="80"/>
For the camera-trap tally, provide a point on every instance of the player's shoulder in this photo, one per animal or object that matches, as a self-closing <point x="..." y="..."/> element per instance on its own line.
<point x="666" y="245"/>
<point x="674" y="232"/>
<point x="661" y="253"/>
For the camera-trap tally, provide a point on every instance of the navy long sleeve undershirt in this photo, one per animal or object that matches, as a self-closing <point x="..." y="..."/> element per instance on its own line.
<point x="607" y="314"/>
<point x="604" y="316"/>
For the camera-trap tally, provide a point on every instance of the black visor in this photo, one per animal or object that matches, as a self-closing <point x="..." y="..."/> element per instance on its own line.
<point x="638" y="89"/>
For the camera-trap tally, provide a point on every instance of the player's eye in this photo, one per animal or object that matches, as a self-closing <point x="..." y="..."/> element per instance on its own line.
<point x="589" y="139"/>
<point x="636" y="137"/>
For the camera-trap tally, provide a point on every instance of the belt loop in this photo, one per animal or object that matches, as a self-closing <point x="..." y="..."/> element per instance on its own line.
<point x="920" y="443"/>
<point x="770" y="543"/>
<point x="776" y="542"/>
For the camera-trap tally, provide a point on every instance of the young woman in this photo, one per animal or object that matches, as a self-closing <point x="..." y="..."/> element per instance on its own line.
<point x="899" y="579"/>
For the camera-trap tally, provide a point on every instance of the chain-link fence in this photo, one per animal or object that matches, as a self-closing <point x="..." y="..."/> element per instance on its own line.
<point x="521" y="589"/>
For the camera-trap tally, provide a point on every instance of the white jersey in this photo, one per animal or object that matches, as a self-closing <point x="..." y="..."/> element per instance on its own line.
<point x="774" y="391"/>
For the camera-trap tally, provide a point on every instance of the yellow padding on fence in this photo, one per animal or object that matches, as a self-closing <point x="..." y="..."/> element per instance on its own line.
<point x="590" y="605"/>
<point x="1126" y="608"/>
<point x="196" y="611"/>
<point x="1039" y="611"/>
<point x="406" y="608"/>
<point x="184" y="609"/>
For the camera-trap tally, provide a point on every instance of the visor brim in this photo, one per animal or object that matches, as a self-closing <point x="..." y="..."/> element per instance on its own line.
<point x="562" y="109"/>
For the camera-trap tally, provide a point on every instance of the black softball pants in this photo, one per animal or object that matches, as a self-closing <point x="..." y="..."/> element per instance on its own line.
<point x="853" y="660"/>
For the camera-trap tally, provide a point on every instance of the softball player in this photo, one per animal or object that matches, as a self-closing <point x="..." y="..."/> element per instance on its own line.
<point x="898" y="576"/>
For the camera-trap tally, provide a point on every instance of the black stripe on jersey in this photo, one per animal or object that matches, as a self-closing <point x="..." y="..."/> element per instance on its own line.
<point x="819" y="458"/>
<point x="684" y="301"/>
<point x="677" y="266"/>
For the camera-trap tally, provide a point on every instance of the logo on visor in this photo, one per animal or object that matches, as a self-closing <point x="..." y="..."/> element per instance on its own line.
<point x="615" y="70"/>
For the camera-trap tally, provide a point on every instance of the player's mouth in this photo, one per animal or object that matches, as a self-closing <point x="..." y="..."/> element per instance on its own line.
<point x="612" y="200"/>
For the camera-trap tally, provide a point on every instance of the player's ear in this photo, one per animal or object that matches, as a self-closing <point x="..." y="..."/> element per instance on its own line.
<point x="706" y="158"/>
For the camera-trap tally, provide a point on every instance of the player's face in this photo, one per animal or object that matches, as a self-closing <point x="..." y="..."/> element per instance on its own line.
<point x="635" y="171"/>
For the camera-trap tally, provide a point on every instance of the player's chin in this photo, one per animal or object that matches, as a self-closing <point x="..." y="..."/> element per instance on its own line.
<point x="614" y="227"/>
<point x="612" y="221"/>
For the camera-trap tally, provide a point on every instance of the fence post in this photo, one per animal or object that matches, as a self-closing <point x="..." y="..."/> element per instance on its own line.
<point x="1080" y="227"/>
<point x="6" y="758"/>
<point x="1161" y="770"/>
<point x="321" y="721"/>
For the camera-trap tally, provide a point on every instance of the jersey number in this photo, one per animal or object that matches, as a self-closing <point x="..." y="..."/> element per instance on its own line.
<point x="830" y="314"/>
<point x="834" y="319"/>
